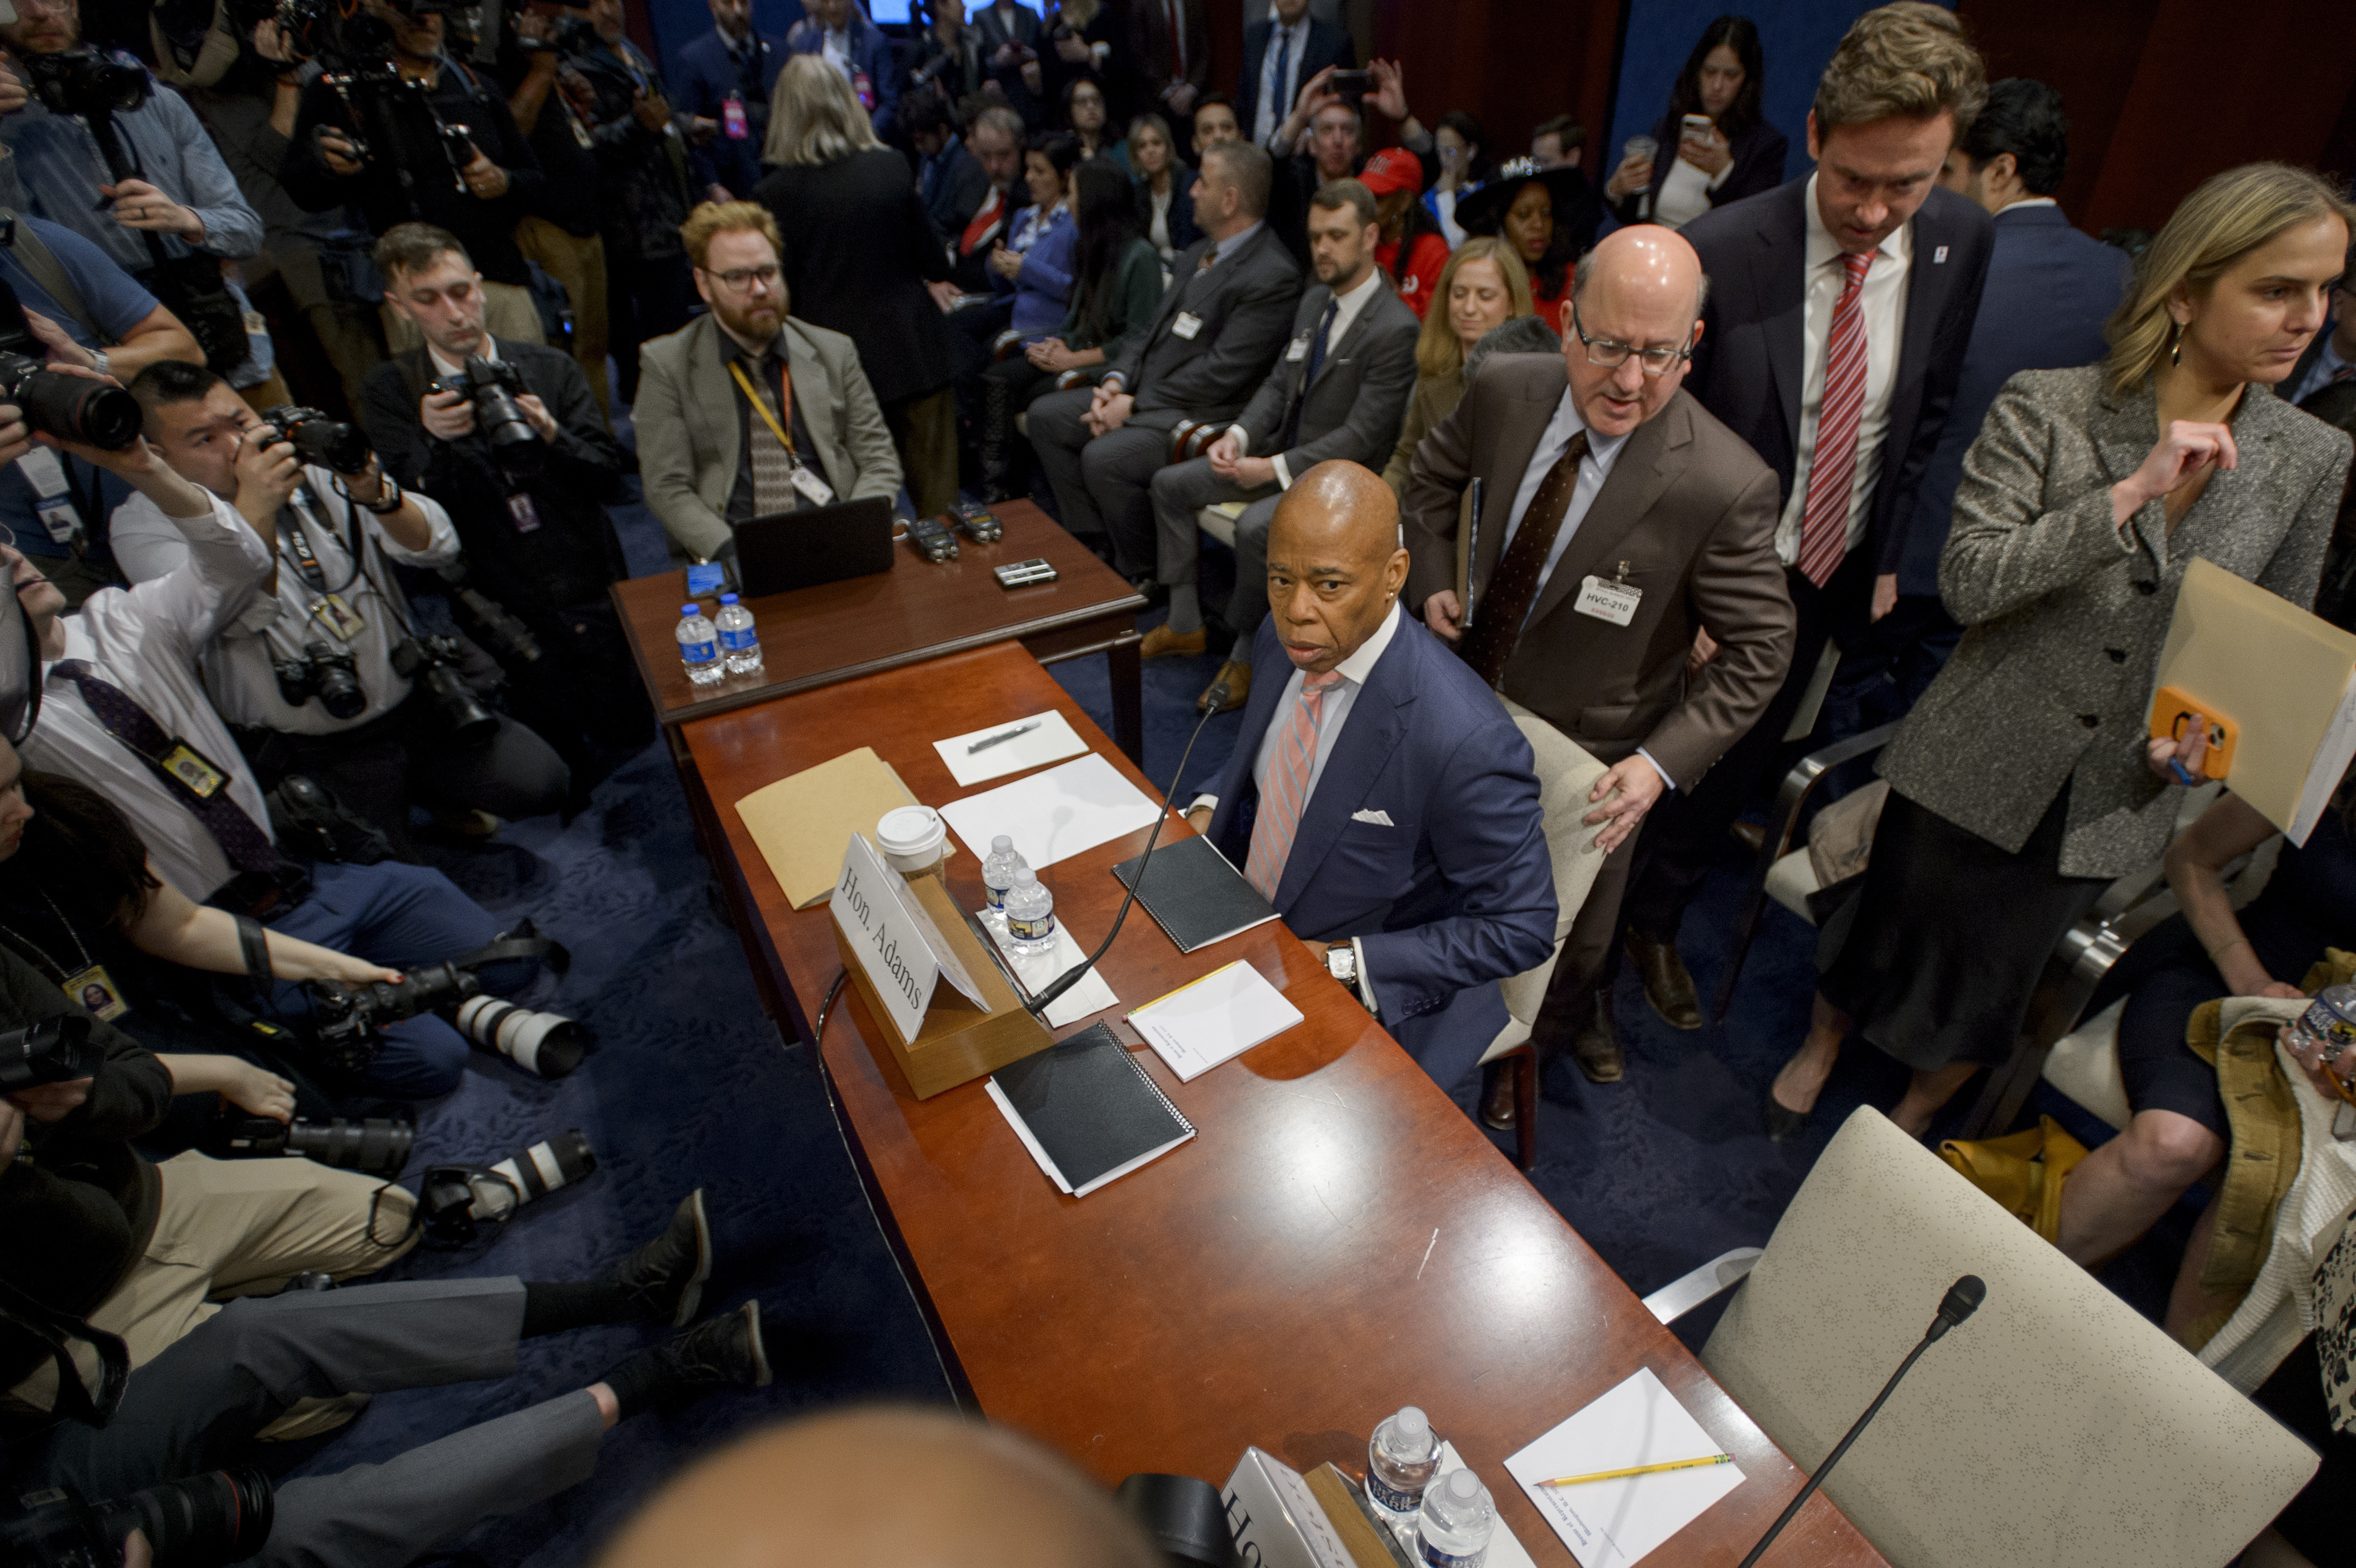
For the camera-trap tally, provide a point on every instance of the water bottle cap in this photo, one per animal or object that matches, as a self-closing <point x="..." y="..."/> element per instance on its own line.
<point x="728" y="599"/>
<point x="1025" y="875"/>
<point x="1411" y="1422"/>
<point x="1462" y="1485"/>
<point x="690" y="608"/>
<point x="1001" y="845"/>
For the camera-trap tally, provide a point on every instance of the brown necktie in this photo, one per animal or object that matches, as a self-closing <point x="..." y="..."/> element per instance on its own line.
<point x="1505" y="602"/>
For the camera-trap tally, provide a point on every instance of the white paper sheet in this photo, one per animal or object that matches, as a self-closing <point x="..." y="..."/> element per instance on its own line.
<point x="1213" y="1019"/>
<point x="1610" y="1524"/>
<point x="1052" y="742"/>
<point x="1055" y="814"/>
<point x="1089" y="994"/>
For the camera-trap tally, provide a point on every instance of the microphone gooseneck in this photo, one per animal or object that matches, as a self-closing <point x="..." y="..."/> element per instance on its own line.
<point x="1215" y="700"/>
<point x="1963" y="1300"/>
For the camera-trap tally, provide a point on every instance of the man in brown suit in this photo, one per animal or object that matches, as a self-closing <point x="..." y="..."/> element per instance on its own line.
<point x="1618" y="519"/>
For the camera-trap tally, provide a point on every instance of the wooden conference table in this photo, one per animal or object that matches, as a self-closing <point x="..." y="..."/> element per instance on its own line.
<point x="917" y="610"/>
<point x="1338" y="1240"/>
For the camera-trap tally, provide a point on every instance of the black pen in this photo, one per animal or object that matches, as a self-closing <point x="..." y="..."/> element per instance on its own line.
<point x="989" y="740"/>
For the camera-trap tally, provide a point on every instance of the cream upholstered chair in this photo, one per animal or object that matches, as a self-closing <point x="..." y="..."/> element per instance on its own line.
<point x="1566" y="773"/>
<point x="2056" y="1426"/>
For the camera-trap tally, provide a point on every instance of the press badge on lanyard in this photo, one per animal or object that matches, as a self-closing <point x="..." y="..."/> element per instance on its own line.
<point x="52" y="502"/>
<point x="732" y="118"/>
<point x="1615" y="600"/>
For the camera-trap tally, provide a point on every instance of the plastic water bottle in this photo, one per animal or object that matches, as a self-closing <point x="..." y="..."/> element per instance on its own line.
<point x="1401" y="1459"/>
<point x="998" y="873"/>
<point x="1030" y="914"/>
<point x="2329" y="1028"/>
<point x="1458" y="1515"/>
<point x="740" y="644"/>
<point x="699" y="646"/>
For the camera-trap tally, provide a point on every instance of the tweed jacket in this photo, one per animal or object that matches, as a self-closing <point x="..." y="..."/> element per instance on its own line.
<point x="686" y="417"/>
<point x="2065" y="615"/>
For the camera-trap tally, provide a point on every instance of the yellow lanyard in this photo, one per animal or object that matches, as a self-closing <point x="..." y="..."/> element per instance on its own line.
<point x="761" y="404"/>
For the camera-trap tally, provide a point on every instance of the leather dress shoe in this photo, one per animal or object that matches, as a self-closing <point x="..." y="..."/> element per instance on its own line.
<point x="1163" y="643"/>
<point x="1597" y="1049"/>
<point x="665" y="1278"/>
<point x="1497" y="1104"/>
<point x="721" y="1352"/>
<point x="1238" y="675"/>
<point x="1667" y="986"/>
<point x="1749" y="834"/>
<point x="1783" y="1124"/>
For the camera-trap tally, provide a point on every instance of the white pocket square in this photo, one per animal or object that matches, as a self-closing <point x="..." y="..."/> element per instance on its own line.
<point x="1380" y="818"/>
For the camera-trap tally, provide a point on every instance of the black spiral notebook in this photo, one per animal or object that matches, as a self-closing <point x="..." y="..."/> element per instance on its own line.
<point x="1087" y="1111"/>
<point x="1195" y="894"/>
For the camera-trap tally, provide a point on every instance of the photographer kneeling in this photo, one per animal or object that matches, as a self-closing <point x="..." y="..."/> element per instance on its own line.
<point x="506" y="436"/>
<point x="324" y="672"/>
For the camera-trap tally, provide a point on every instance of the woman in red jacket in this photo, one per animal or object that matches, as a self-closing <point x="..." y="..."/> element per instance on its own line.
<point x="1412" y="251"/>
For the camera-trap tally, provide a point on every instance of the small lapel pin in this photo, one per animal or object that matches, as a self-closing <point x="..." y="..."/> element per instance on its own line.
<point x="1938" y="255"/>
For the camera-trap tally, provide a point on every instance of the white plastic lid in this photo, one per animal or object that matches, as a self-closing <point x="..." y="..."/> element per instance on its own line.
<point x="1024" y="877"/>
<point x="1001" y="845"/>
<point x="909" y="830"/>
<point x="1410" y="1422"/>
<point x="1462" y="1485"/>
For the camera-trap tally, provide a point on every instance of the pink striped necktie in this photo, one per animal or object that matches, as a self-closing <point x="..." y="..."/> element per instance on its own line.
<point x="1287" y="786"/>
<point x="1832" y="469"/>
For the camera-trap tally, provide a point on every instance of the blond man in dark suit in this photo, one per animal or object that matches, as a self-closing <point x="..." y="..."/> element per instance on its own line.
<point x="1618" y="519"/>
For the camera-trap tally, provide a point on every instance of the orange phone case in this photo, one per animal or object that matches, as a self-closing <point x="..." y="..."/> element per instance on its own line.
<point x="2172" y="710"/>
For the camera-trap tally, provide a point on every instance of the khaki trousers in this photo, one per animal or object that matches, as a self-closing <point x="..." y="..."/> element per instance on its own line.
<point x="580" y="265"/>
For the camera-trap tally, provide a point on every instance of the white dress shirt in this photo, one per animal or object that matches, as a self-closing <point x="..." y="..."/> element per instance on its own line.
<point x="1684" y="194"/>
<point x="836" y="46"/>
<point x="1884" y="303"/>
<point x="146" y="640"/>
<point x="1349" y="305"/>
<point x="277" y="626"/>
<point x="1276" y="97"/>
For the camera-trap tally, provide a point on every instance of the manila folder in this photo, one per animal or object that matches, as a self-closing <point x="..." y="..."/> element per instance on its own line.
<point x="804" y="822"/>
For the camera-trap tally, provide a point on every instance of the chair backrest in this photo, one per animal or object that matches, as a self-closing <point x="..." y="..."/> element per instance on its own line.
<point x="2056" y="1427"/>
<point x="1566" y="773"/>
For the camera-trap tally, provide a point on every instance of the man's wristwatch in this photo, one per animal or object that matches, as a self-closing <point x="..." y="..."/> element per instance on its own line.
<point x="98" y="356"/>
<point x="1342" y="963"/>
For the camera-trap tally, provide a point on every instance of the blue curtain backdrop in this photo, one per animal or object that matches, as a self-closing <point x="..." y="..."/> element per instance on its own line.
<point x="1796" y="35"/>
<point x="676" y="22"/>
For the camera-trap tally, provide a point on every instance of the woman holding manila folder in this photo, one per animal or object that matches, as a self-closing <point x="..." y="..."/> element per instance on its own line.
<point x="2023" y="782"/>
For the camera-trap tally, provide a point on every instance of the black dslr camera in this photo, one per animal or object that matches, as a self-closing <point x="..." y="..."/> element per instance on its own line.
<point x="83" y="80"/>
<point x="54" y="1050"/>
<point x="317" y="438"/>
<point x="347" y="1019"/>
<point x="377" y="1146"/>
<point x="493" y="389"/>
<point x="488" y="621"/>
<point x="331" y="675"/>
<point x="571" y="35"/>
<point x="72" y="408"/>
<point x="223" y="1517"/>
<point x="432" y="663"/>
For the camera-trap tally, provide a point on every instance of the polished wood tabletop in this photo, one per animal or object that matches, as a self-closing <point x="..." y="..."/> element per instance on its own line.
<point x="1338" y="1240"/>
<point x="917" y="610"/>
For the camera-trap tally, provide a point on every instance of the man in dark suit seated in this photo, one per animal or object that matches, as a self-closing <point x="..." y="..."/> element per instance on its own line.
<point x="1839" y="306"/>
<point x="1280" y="53"/>
<point x="1220" y="325"/>
<point x="2050" y="290"/>
<point x="735" y="64"/>
<point x="1339" y="389"/>
<point x="1620" y="518"/>
<point x="1377" y="796"/>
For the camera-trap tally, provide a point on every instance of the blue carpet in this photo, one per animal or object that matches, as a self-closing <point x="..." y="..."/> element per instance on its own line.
<point x="691" y="1086"/>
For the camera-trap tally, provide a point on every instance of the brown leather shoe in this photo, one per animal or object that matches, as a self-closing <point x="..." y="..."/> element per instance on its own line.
<point x="1163" y="643"/>
<point x="1238" y="675"/>
<point x="1749" y="834"/>
<point x="1667" y="985"/>
<point x="1497" y="1104"/>
<point x="1597" y="1049"/>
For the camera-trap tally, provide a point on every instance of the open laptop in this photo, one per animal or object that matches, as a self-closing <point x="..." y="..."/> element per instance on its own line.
<point x="786" y="550"/>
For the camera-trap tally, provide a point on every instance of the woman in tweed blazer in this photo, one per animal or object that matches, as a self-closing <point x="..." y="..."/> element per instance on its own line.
<point x="2022" y="783"/>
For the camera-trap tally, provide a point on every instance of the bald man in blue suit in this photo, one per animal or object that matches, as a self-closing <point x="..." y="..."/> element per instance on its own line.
<point x="1378" y="794"/>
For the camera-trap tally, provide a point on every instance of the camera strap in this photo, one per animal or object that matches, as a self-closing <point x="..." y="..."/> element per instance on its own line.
<point x="55" y="1330"/>
<point x="253" y="946"/>
<point x="41" y="264"/>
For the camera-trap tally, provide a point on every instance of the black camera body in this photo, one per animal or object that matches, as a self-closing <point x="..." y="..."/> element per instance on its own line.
<point x="493" y="389"/>
<point x="571" y="36"/>
<point x="320" y="438"/>
<point x="220" y="1517"/>
<point x="331" y="675"/>
<point x="432" y="664"/>
<point x="377" y="1146"/>
<point x="488" y="621"/>
<point x="83" y="80"/>
<point x="348" y="1020"/>
<point x="54" y="1050"/>
<point x="72" y="408"/>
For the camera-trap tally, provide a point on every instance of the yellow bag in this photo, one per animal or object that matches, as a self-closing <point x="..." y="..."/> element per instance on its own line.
<point x="2023" y="1172"/>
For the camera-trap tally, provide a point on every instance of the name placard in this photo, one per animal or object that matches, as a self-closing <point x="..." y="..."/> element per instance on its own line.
<point x="897" y="942"/>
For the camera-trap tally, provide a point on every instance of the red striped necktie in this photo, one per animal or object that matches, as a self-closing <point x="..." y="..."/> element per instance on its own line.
<point x="1832" y="468"/>
<point x="1287" y="786"/>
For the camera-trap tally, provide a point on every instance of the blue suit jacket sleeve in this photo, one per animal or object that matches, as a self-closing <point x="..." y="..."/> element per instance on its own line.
<point x="1491" y="848"/>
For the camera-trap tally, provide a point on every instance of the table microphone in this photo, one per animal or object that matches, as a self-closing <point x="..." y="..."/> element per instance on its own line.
<point x="1963" y="1300"/>
<point x="1214" y="700"/>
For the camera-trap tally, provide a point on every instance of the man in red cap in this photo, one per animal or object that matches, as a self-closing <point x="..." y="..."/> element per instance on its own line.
<point x="1413" y="250"/>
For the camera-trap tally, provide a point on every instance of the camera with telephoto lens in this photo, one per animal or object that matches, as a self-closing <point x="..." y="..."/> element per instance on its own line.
<point x="452" y="1200"/>
<point x="83" y="80"/>
<point x="196" y="1522"/>
<point x="348" y="1020"/>
<point x="488" y="621"/>
<point x="432" y="663"/>
<point x="331" y="675"/>
<point x="320" y="438"/>
<point x="377" y="1146"/>
<point x="72" y="408"/>
<point x="493" y="389"/>
<point x="54" y="1050"/>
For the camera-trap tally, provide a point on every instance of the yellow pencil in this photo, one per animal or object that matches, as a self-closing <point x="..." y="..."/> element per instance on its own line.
<point x="1640" y="1471"/>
